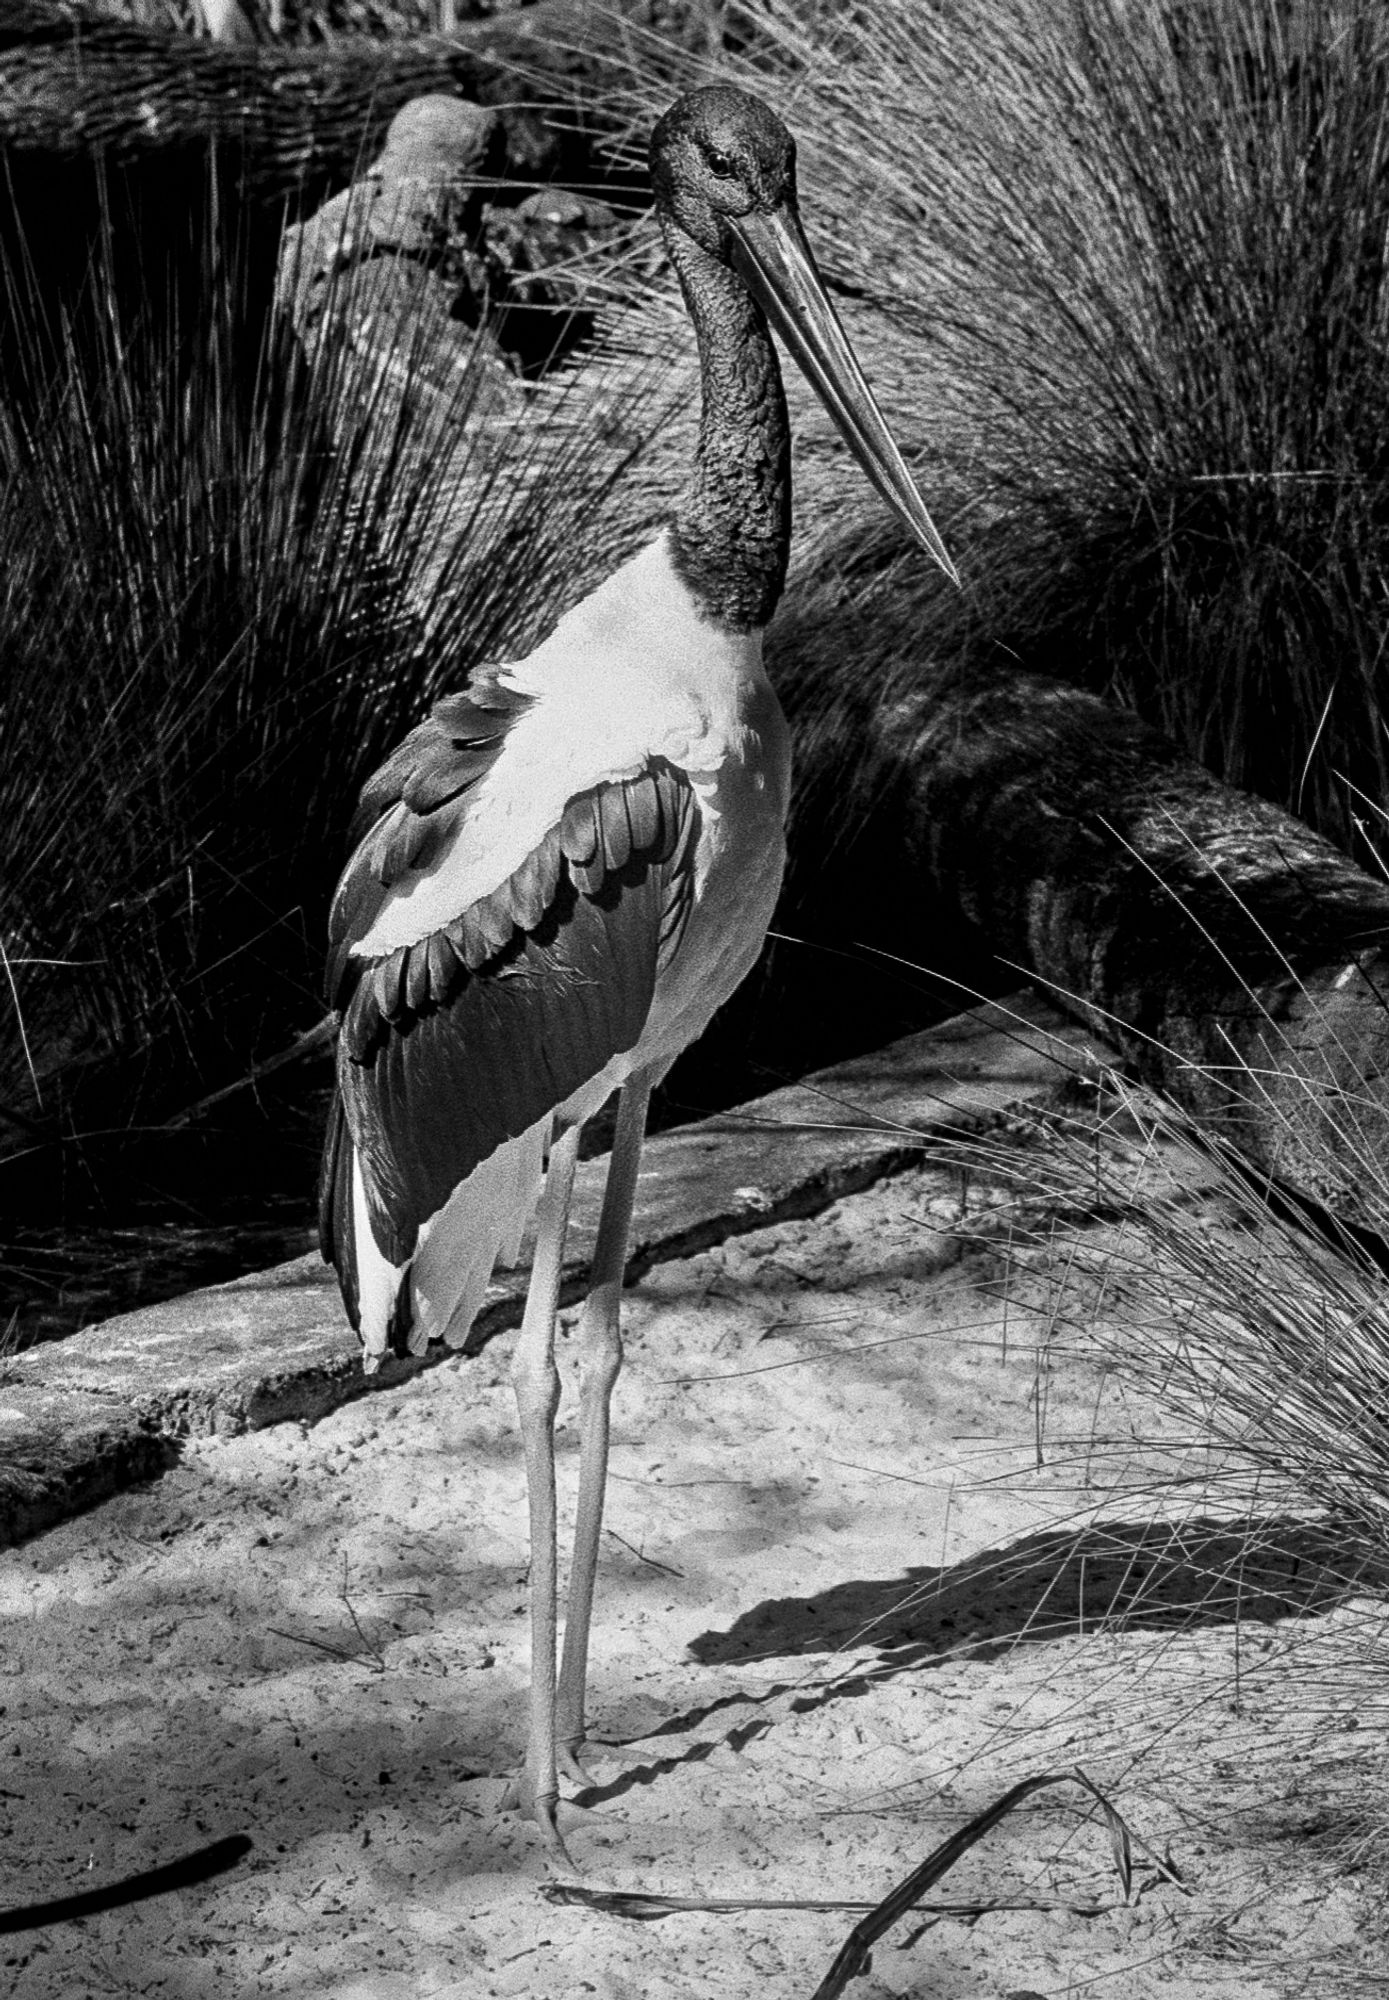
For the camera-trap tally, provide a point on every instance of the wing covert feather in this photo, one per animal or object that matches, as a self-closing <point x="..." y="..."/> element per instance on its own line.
<point x="413" y="805"/>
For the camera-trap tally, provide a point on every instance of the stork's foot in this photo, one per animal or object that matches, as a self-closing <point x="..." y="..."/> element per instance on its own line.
<point x="521" y="1796"/>
<point x="570" y="1759"/>
<point x="553" y="1816"/>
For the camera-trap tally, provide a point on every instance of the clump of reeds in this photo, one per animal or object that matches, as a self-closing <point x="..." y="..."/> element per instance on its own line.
<point x="1210" y="1382"/>
<point x="233" y="576"/>
<point x="1258" y="1321"/>
<point x="1240" y="1335"/>
<point x="1120" y="275"/>
<point x="1257" y="1329"/>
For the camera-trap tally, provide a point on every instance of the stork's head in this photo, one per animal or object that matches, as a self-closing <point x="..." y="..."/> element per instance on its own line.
<point x="723" y="170"/>
<point x="718" y="156"/>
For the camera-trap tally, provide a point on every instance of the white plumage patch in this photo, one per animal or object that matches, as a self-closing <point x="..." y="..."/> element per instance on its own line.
<point x="480" y="1226"/>
<point x="631" y="673"/>
<point x="378" y="1280"/>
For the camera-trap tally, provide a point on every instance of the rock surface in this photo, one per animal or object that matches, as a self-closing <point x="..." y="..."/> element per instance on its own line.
<point x="274" y="1346"/>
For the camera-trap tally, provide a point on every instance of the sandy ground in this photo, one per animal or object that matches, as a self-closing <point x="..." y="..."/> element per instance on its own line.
<point x="812" y="1663"/>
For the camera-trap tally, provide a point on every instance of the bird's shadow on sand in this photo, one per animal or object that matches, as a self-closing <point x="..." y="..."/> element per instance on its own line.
<point x="1057" y="1584"/>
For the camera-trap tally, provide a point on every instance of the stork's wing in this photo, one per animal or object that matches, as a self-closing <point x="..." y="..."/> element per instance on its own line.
<point x="465" y="1039"/>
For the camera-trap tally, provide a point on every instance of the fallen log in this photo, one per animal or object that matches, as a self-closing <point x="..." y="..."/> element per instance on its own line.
<point x="1232" y="957"/>
<point x="75" y="83"/>
<point x="167" y="155"/>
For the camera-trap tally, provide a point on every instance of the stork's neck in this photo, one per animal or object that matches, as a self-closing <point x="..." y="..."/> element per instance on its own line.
<point x="732" y="528"/>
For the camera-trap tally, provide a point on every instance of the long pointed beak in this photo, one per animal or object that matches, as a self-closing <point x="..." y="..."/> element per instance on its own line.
<point x="774" y="261"/>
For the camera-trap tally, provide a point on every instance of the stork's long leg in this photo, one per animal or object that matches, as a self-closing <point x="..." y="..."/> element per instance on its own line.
<point x="600" y="1358"/>
<point x="536" y="1382"/>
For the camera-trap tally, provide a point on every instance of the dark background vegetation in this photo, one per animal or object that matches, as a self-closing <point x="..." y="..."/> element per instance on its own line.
<point x="1120" y="273"/>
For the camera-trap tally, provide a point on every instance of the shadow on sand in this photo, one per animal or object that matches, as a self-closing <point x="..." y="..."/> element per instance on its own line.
<point x="1113" y="1576"/>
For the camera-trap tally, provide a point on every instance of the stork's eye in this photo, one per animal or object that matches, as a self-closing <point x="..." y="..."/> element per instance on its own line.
<point x="722" y="165"/>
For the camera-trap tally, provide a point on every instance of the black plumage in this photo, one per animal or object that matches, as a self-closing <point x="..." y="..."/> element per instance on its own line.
<point x="457" y="743"/>
<point x="336" y="1236"/>
<point x="454" y="1044"/>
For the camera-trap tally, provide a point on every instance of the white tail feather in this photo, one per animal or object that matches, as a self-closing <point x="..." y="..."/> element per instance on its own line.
<point x="378" y="1280"/>
<point x="480" y="1225"/>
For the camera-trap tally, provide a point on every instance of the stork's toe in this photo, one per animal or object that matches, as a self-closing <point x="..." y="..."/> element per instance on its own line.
<point x="569" y="1758"/>
<point x="553" y="1816"/>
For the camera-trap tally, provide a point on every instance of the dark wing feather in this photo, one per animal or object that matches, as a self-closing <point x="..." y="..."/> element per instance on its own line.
<point x="456" y="744"/>
<point x="335" y="1238"/>
<point x="413" y="805"/>
<point x="457" y="1043"/>
<point x="615" y="831"/>
<point x="578" y="830"/>
<point x="643" y="813"/>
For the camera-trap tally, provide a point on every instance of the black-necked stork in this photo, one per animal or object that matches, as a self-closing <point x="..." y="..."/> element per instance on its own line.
<point x="564" y="871"/>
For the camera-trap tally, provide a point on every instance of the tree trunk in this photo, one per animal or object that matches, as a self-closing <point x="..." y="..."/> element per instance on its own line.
<point x="1232" y="956"/>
